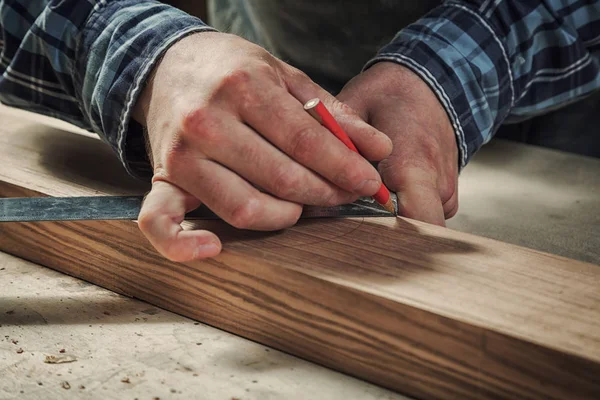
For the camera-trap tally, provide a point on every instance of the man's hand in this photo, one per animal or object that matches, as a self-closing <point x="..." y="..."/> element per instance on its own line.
<point x="423" y="167"/>
<point x="225" y="118"/>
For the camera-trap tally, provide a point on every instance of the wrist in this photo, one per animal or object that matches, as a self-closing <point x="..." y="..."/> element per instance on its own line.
<point x="393" y="79"/>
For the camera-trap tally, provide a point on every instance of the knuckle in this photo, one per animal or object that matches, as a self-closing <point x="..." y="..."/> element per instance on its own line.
<point x="199" y="123"/>
<point x="145" y="221"/>
<point x="347" y="112"/>
<point x="286" y="183"/>
<point x="352" y="173"/>
<point x="234" y="88"/>
<point x="303" y="143"/>
<point x="346" y="109"/>
<point x="235" y="79"/>
<point x="244" y="215"/>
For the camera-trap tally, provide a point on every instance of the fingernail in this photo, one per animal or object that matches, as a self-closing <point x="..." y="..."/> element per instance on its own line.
<point x="208" y="248"/>
<point x="368" y="187"/>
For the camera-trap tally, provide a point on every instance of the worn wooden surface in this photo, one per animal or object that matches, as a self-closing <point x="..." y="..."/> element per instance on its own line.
<point x="422" y="310"/>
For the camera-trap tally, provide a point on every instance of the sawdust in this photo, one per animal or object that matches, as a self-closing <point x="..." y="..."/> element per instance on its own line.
<point x="59" y="359"/>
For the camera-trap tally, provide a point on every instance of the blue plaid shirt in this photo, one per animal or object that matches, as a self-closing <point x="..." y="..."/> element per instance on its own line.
<point x="488" y="61"/>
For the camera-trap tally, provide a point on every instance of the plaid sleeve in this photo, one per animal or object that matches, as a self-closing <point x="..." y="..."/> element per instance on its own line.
<point x="86" y="61"/>
<point x="491" y="62"/>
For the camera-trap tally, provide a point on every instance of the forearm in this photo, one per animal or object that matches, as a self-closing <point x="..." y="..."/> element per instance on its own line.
<point x="93" y="70"/>
<point x="493" y="61"/>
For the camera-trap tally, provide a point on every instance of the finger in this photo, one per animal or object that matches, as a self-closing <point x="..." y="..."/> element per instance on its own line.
<point x="282" y="120"/>
<point x="418" y="194"/>
<point x="372" y="144"/>
<point x="160" y="220"/>
<point x="232" y="198"/>
<point x="421" y="203"/>
<point x="245" y="152"/>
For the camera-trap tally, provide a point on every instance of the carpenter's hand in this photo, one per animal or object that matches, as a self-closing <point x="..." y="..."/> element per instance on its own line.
<point x="224" y="118"/>
<point x="423" y="167"/>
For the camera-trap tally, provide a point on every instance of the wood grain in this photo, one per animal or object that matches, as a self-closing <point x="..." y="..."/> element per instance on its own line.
<point x="423" y="310"/>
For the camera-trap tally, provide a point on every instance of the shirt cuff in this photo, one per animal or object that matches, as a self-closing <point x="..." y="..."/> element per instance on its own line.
<point x="121" y="43"/>
<point x="458" y="54"/>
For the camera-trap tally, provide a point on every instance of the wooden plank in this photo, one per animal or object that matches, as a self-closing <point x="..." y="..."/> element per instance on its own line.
<point x="423" y="310"/>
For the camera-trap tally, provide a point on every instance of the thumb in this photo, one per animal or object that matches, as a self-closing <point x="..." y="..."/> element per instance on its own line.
<point x="418" y="193"/>
<point x="422" y="204"/>
<point x="162" y="212"/>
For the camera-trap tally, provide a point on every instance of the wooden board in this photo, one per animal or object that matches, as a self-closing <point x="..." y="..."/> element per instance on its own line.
<point x="423" y="310"/>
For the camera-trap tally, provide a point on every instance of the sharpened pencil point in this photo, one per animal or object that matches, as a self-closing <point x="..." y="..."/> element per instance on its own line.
<point x="390" y="206"/>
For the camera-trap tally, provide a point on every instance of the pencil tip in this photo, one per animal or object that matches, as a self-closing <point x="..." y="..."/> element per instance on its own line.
<point x="390" y="206"/>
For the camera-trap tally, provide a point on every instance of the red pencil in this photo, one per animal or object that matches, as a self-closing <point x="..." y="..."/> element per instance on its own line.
<point x="317" y="109"/>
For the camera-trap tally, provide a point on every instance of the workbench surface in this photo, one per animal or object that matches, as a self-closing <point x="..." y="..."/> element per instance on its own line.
<point x="124" y="348"/>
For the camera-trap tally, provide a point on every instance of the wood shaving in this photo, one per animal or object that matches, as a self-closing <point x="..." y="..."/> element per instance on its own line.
<point x="65" y="385"/>
<point x="125" y="380"/>
<point x="59" y="359"/>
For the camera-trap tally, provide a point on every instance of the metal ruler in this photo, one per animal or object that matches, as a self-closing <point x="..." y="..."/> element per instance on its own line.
<point x="128" y="208"/>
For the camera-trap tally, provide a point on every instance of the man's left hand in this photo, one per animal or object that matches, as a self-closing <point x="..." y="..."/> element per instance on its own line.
<point x="423" y="166"/>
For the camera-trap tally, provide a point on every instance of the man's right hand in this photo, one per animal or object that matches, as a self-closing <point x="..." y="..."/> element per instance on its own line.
<point x="225" y="117"/>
